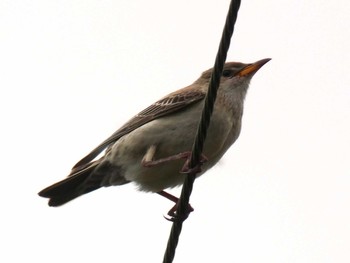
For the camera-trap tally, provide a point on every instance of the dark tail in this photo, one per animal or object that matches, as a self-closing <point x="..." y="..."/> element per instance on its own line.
<point x="77" y="184"/>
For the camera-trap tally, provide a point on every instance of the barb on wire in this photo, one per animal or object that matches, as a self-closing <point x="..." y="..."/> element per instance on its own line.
<point x="202" y="130"/>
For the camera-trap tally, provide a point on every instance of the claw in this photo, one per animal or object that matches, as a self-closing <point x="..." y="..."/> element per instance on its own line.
<point x="174" y="217"/>
<point x="172" y="212"/>
<point x="197" y="169"/>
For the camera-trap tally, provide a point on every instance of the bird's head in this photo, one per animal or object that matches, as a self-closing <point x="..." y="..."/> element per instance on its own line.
<point x="235" y="75"/>
<point x="234" y="82"/>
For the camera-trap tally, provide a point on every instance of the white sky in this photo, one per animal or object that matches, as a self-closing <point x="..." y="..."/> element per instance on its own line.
<point x="71" y="72"/>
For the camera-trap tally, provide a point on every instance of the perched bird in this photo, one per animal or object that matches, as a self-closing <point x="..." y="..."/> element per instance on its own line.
<point x="151" y="148"/>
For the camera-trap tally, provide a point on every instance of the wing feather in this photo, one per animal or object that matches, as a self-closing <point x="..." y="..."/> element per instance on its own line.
<point x="169" y="104"/>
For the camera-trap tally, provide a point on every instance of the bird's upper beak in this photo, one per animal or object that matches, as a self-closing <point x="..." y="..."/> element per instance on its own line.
<point x="250" y="69"/>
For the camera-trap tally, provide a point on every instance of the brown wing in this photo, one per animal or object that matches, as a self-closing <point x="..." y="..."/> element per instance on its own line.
<point x="169" y="104"/>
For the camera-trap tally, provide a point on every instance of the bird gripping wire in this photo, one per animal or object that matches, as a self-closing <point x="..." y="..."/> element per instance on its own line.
<point x="202" y="130"/>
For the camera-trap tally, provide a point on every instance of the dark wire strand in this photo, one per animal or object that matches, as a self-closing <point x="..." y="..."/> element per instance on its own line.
<point x="202" y="130"/>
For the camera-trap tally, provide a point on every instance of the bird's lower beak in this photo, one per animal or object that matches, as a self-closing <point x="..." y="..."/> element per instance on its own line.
<point x="252" y="68"/>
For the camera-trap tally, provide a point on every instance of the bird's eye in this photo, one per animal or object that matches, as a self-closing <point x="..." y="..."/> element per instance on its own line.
<point x="227" y="73"/>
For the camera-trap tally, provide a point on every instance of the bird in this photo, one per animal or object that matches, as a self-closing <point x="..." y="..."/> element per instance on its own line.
<point x="152" y="148"/>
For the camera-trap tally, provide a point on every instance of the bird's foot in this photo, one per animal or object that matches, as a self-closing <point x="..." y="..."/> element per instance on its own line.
<point x="172" y="216"/>
<point x="197" y="168"/>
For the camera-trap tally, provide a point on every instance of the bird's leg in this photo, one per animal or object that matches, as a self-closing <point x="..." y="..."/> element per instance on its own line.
<point x="172" y="211"/>
<point x="148" y="160"/>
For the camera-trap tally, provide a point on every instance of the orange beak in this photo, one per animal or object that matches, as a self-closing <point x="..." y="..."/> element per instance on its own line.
<point x="252" y="68"/>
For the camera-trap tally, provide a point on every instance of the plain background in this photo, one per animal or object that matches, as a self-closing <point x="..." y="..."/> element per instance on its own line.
<point x="72" y="72"/>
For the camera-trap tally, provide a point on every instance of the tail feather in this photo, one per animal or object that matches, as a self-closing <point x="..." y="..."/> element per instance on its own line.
<point x="72" y="187"/>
